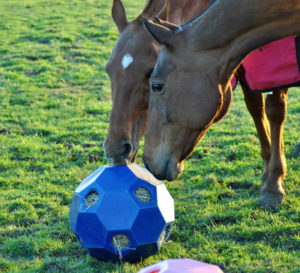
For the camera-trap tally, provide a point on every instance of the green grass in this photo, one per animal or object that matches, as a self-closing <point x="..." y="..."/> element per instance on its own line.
<point x="54" y="114"/>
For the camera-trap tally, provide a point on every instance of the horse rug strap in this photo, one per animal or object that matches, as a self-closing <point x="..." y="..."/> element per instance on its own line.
<point x="273" y="66"/>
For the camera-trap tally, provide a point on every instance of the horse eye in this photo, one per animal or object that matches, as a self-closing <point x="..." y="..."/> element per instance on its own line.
<point x="157" y="87"/>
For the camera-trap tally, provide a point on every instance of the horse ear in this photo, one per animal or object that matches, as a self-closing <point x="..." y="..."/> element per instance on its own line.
<point x="166" y="24"/>
<point x="152" y="8"/>
<point x="119" y="15"/>
<point x="161" y="34"/>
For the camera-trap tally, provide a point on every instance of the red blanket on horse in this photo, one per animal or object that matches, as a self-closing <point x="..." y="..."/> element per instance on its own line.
<point x="273" y="66"/>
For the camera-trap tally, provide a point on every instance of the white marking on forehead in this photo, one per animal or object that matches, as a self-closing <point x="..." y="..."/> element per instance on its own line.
<point x="127" y="60"/>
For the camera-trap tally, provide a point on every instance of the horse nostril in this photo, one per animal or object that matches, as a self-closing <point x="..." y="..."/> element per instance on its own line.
<point x="127" y="148"/>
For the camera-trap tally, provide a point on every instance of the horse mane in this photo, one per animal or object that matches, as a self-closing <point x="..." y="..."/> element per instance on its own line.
<point x="189" y="23"/>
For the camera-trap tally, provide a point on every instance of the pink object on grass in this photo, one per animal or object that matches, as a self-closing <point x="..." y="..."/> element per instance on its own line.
<point x="181" y="266"/>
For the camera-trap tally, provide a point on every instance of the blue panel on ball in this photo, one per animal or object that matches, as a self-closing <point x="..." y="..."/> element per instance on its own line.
<point x="148" y="226"/>
<point x="91" y="230"/>
<point x="121" y="212"/>
<point x="120" y="204"/>
<point x="116" y="179"/>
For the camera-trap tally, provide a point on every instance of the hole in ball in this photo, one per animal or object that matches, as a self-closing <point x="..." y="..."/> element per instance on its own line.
<point x="120" y="241"/>
<point x="91" y="199"/>
<point x="164" y="235"/>
<point x="142" y="194"/>
<point x="168" y="230"/>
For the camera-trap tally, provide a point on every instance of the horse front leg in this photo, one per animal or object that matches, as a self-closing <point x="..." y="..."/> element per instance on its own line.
<point x="272" y="192"/>
<point x="256" y="106"/>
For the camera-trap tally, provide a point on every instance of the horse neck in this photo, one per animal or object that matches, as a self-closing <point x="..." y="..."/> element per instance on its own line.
<point x="255" y="24"/>
<point x="181" y="11"/>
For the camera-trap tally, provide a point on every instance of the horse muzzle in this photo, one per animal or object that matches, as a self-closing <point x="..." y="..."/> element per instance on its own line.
<point x="165" y="170"/>
<point x="120" y="153"/>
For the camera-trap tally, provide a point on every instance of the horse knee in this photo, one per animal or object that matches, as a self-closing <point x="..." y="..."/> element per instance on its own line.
<point x="278" y="169"/>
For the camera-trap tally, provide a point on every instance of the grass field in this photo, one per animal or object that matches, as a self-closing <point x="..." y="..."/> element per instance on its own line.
<point x="54" y="113"/>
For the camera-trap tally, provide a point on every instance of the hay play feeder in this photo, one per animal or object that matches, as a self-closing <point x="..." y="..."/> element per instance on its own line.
<point x="121" y="213"/>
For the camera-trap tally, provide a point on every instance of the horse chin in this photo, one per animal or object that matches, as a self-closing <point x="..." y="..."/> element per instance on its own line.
<point x="174" y="171"/>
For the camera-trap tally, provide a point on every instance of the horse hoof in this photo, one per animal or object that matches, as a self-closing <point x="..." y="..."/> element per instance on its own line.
<point x="270" y="199"/>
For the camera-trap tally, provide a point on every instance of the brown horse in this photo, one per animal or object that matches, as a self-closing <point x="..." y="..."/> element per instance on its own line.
<point x="191" y="77"/>
<point x="129" y="69"/>
<point x="137" y="52"/>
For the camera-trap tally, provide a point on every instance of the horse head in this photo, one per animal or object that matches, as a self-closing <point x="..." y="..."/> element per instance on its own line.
<point x="189" y="84"/>
<point x="184" y="102"/>
<point x="129" y="68"/>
